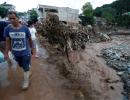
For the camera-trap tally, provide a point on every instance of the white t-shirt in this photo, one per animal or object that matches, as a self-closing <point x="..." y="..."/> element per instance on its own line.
<point x="33" y="32"/>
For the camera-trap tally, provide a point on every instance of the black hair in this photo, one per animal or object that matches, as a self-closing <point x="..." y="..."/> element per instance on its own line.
<point x="13" y="12"/>
<point x="30" y="23"/>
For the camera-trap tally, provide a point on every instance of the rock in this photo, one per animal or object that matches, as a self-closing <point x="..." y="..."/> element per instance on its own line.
<point x="120" y="73"/>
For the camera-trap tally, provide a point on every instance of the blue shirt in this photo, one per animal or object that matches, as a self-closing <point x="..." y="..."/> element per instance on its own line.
<point x="19" y="40"/>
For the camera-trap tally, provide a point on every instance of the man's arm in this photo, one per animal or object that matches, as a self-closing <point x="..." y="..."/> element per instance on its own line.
<point x="8" y="47"/>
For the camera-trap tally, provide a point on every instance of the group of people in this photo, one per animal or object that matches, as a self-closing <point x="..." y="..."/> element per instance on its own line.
<point x="21" y="41"/>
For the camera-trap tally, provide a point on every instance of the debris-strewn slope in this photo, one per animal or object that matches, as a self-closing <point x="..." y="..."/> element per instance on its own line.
<point x="82" y="68"/>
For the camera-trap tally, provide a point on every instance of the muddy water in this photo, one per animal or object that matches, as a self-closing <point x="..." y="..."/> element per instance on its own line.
<point x="46" y="84"/>
<point x="42" y="87"/>
<point x="42" y="53"/>
<point x="4" y="68"/>
<point x="4" y="74"/>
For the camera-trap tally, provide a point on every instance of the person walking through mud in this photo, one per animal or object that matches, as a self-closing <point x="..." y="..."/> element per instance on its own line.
<point x="33" y="35"/>
<point x="18" y="40"/>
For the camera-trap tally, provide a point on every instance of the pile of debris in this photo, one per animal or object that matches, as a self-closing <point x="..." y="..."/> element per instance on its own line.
<point x="76" y="35"/>
<point x="60" y="34"/>
<point x="63" y="41"/>
<point x="118" y="57"/>
<point x="64" y="45"/>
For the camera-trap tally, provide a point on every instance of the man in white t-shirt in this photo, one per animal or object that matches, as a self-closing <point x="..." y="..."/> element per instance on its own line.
<point x="33" y="35"/>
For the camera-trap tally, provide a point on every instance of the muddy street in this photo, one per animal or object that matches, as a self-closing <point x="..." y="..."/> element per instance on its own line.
<point x="41" y="87"/>
<point x="47" y="84"/>
<point x="66" y="51"/>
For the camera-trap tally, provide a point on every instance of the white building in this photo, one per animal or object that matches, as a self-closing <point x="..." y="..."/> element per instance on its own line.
<point x="65" y="13"/>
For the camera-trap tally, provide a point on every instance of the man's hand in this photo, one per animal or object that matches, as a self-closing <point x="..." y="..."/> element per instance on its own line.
<point x="33" y="52"/>
<point x="6" y="56"/>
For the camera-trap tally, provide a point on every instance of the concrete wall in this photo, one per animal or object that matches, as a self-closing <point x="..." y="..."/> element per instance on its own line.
<point x="65" y="13"/>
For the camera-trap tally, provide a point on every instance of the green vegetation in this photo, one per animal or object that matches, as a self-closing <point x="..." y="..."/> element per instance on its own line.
<point x="33" y="15"/>
<point x="3" y="12"/>
<point x="87" y="15"/>
<point x="115" y="12"/>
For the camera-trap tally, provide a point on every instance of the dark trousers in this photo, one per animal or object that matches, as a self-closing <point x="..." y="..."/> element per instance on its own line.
<point x="24" y="61"/>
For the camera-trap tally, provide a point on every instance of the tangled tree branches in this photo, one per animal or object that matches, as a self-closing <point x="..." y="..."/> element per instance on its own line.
<point x="60" y="34"/>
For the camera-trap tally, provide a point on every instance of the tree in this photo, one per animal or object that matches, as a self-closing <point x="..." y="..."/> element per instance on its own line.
<point x="3" y="12"/>
<point x="86" y="20"/>
<point x="114" y="12"/>
<point x="21" y="13"/>
<point x="106" y="11"/>
<point x="98" y="12"/>
<point x="87" y="15"/>
<point x="109" y="14"/>
<point x="33" y="15"/>
<point x="121" y="6"/>
<point x="87" y="9"/>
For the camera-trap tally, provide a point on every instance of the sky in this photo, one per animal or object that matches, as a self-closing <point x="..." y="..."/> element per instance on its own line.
<point x="24" y="5"/>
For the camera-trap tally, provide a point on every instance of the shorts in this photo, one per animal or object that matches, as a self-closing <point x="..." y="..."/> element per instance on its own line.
<point x="24" y="61"/>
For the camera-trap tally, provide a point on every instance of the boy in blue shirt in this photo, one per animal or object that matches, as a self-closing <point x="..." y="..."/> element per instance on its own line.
<point x="18" y="40"/>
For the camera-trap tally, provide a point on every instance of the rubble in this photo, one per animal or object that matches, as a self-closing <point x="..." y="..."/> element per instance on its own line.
<point x="104" y="37"/>
<point x="118" y="57"/>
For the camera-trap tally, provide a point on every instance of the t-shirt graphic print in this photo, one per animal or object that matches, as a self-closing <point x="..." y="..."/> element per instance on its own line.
<point x="18" y="41"/>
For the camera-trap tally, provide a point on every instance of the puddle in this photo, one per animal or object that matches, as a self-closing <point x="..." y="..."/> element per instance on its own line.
<point x="4" y="68"/>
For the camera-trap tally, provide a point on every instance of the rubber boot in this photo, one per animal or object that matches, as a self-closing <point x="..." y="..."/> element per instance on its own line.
<point x="26" y="80"/>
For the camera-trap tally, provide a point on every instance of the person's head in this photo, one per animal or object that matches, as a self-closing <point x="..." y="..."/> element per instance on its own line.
<point x="30" y="23"/>
<point x="13" y="18"/>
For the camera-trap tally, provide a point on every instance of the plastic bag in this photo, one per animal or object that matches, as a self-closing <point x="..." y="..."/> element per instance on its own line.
<point x="1" y="57"/>
<point x="13" y="62"/>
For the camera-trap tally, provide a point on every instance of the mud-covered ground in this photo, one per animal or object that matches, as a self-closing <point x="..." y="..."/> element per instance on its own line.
<point x="48" y="84"/>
